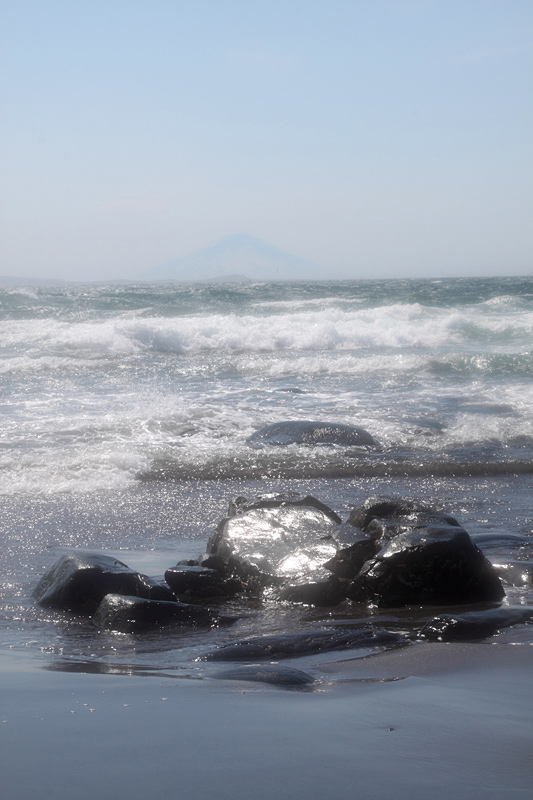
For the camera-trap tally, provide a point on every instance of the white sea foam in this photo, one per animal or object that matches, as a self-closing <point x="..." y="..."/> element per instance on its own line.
<point x="23" y="292"/>
<point x="327" y="329"/>
<point x="98" y="390"/>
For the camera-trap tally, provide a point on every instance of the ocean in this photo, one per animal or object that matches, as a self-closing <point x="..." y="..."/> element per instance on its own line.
<point x="126" y="411"/>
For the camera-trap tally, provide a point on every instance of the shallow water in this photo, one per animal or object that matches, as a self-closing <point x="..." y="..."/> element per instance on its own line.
<point x="152" y="526"/>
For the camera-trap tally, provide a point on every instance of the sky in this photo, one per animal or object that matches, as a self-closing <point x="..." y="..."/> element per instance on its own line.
<point x="376" y="138"/>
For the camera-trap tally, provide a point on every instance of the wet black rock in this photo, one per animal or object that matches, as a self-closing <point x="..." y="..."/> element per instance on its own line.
<point x="348" y="561"/>
<point x="472" y="625"/>
<point x="311" y="433"/>
<point x="79" y="581"/>
<point x="397" y="552"/>
<point x="286" y="543"/>
<point x="427" y="566"/>
<point x="212" y="562"/>
<point x="198" y="583"/>
<point x="383" y="529"/>
<point x="125" y="614"/>
<point x="274" y="675"/>
<point x="424" y="557"/>
<point x="321" y="593"/>
<point x="241" y="505"/>
<point x="380" y="514"/>
<point x="301" y="644"/>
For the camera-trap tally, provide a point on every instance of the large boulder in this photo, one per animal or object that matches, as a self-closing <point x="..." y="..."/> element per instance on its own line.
<point x="79" y="581"/>
<point x="125" y="614"/>
<point x="276" y="544"/>
<point x="311" y="433"/>
<point x="393" y="552"/>
<point x="424" y="557"/>
<point x="436" y="565"/>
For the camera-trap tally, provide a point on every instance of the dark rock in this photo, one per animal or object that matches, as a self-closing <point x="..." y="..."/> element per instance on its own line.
<point x="241" y="504"/>
<point x="347" y="534"/>
<point x="79" y="581"/>
<point x="200" y="583"/>
<point x="347" y="562"/>
<point x="327" y="592"/>
<point x="213" y="562"/>
<point x="125" y="614"/>
<point x="311" y="433"/>
<point x="276" y="545"/>
<point x="301" y="644"/>
<point x="473" y="624"/>
<point x="383" y="529"/>
<point x="439" y="566"/>
<point x="389" y="510"/>
<point x="275" y="675"/>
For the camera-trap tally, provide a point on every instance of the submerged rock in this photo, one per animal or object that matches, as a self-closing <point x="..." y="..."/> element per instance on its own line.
<point x="311" y="433"/>
<point x="274" y="675"/>
<point x="125" y="614"/>
<point x="79" y="581"/>
<point x="301" y="644"/>
<point x="474" y="624"/>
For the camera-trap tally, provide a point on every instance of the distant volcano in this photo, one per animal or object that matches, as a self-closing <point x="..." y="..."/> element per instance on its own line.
<point x="239" y="257"/>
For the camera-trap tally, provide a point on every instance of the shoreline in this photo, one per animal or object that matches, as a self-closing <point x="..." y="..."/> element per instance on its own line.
<point x="430" y="721"/>
<point x="427" y="721"/>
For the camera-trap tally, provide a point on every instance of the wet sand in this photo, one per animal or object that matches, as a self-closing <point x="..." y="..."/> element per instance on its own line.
<point x="430" y="721"/>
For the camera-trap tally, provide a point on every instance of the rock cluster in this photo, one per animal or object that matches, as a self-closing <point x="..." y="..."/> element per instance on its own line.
<point x="390" y="553"/>
<point x="117" y="597"/>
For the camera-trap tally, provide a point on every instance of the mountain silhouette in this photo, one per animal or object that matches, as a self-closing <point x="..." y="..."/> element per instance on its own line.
<point x="239" y="257"/>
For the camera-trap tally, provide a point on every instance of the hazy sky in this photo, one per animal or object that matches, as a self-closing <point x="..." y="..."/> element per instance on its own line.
<point x="381" y="138"/>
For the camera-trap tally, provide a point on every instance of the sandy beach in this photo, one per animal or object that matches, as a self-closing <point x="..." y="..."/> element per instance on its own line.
<point x="430" y="721"/>
<point x="87" y="715"/>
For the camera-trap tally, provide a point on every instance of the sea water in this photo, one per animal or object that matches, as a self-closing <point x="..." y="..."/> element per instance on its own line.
<point x="126" y="410"/>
